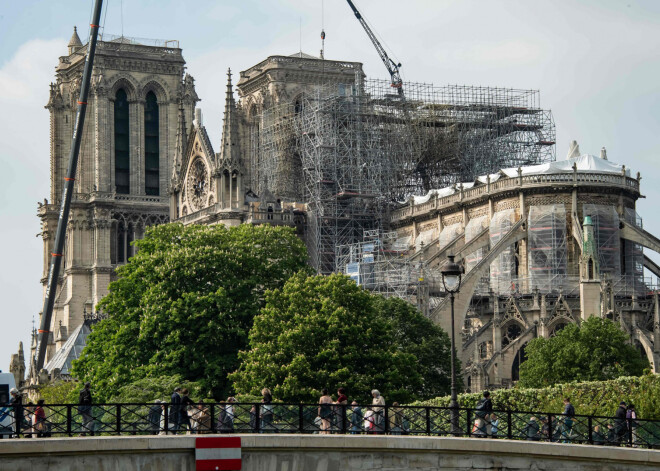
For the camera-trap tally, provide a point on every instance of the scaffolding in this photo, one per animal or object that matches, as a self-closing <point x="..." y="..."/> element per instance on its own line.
<point x="633" y="265"/>
<point x="606" y="232"/>
<point x="503" y="269"/>
<point x="546" y="249"/>
<point x="376" y="265"/>
<point x="350" y="151"/>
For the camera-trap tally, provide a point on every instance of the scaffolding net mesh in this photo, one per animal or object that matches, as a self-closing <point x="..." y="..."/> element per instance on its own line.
<point x="503" y="269"/>
<point x="424" y="238"/>
<point x="606" y="232"/>
<point x="633" y="265"/>
<point x="546" y="247"/>
<point x="448" y="234"/>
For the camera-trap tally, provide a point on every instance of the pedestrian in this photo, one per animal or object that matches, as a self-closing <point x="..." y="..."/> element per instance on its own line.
<point x="155" y="412"/>
<point x="369" y="421"/>
<point x="266" y="411"/>
<point x="532" y="429"/>
<point x="494" y="425"/>
<point x="200" y="418"/>
<point x="163" y="407"/>
<point x="611" y="434"/>
<point x="85" y="409"/>
<point x="356" y="418"/>
<point x="597" y="436"/>
<point x="40" y="426"/>
<point x="396" y="419"/>
<point x="483" y="411"/>
<point x="186" y="404"/>
<point x="631" y="424"/>
<point x="254" y="420"/>
<point x="229" y="414"/>
<point x="16" y="407"/>
<point x="29" y="420"/>
<point x="325" y="411"/>
<point x="175" y="410"/>
<point x="378" y="409"/>
<point x="569" y="417"/>
<point x="341" y="406"/>
<point x="620" y="426"/>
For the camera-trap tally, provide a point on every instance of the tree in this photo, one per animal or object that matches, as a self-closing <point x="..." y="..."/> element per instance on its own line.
<point x="184" y="304"/>
<point x="325" y="331"/>
<point x="594" y="351"/>
<point x="427" y="342"/>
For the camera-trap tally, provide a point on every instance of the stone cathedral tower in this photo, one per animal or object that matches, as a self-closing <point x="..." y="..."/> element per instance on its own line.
<point x="124" y="170"/>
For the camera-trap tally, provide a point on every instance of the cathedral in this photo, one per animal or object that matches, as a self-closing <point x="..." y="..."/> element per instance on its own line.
<point x="380" y="188"/>
<point x="146" y="159"/>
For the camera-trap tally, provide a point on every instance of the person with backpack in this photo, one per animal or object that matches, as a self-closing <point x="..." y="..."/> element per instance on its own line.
<point x="569" y="418"/>
<point x="620" y="427"/>
<point x="483" y="411"/>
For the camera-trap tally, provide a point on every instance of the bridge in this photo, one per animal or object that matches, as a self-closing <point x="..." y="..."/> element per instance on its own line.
<point x="286" y="452"/>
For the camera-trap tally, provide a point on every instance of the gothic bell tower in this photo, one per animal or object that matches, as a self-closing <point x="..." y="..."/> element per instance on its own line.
<point x="124" y="168"/>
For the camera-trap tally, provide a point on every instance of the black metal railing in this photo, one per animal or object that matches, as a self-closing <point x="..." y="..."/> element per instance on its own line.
<point x="213" y="417"/>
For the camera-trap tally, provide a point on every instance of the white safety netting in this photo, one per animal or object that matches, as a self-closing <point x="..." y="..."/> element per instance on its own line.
<point x="546" y="247"/>
<point x="503" y="269"/>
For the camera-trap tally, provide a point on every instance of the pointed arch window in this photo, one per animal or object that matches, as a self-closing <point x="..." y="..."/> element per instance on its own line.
<point x="122" y="160"/>
<point x="151" y="147"/>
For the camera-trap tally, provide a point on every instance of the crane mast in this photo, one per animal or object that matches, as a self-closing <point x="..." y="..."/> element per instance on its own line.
<point x="392" y="67"/>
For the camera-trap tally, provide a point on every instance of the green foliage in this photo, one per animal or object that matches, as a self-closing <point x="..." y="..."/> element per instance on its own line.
<point x="184" y="304"/>
<point x="149" y="389"/>
<point x="428" y="343"/>
<point x="599" y="398"/>
<point x="596" y="350"/>
<point x="325" y="331"/>
<point x="60" y="392"/>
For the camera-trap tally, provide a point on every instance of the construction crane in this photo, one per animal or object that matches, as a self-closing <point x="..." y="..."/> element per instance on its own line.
<point x="392" y="67"/>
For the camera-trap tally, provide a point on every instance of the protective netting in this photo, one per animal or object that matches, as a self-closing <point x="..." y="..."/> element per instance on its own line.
<point x="425" y="237"/>
<point x="606" y="233"/>
<point x="473" y="228"/>
<point x="546" y="247"/>
<point x="448" y="234"/>
<point x="503" y="269"/>
<point x="633" y="256"/>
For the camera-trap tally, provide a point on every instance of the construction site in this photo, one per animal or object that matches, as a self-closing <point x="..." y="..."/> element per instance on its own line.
<point x="360" y="149"/>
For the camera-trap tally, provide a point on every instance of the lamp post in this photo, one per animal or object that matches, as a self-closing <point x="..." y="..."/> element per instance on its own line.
<point x="451" y="279"/>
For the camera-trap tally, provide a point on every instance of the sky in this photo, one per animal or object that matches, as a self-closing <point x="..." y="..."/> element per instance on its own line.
<point x="596" y="63"/>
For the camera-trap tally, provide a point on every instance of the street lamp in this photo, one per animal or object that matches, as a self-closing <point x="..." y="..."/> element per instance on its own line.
<point x="451" y="279"/>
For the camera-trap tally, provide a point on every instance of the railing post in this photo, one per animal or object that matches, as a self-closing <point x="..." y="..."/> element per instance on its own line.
<point x="257" y="422"/>
<point x="468" y="428"/>
<point x="118" y="419"/>
<point x="166" y="419"/>
<point x="387" y="420"/>
<point x="214" y="428"/>
<point x="550" y="427"/>
<point x="68" y="420"/>
<point x="428" y="420"/>
<point x="590" y="436"/>
<point x="509" y="425"/>
<point x="344" y="422"/>
<point x="301" y="419"/>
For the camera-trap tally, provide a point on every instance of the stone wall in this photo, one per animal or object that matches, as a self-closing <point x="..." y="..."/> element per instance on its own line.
<point x="321" y="453"/>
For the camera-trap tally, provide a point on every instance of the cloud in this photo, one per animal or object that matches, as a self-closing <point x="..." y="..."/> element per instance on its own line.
<point x="24" y="157"/>
<point x="24" y="77"/>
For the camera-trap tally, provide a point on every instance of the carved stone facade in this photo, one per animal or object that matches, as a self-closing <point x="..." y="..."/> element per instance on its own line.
<point x="123" y="175"/>
<point x="572" y="249"/>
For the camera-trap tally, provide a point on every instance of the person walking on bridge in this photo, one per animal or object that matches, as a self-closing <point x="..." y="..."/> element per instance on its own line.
<point x="85" y="409"/>
<point x="569" y="417"/>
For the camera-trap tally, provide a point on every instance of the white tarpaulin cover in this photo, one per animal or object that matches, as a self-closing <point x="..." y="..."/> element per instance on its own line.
<point x="584" y="163"/>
